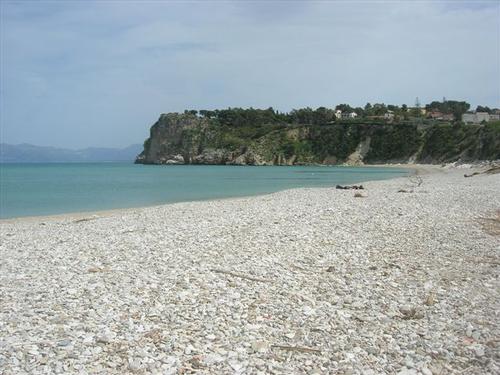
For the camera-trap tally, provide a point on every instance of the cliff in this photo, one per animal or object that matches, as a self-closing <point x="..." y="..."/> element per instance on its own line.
<point x="190" y="139"/>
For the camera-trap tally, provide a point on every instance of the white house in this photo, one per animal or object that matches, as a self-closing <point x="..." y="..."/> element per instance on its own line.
<point x="349" y="115"/>
<point x="475" y="118"/>
<point x="389" y="115"/>
<point x="338" y="113"/>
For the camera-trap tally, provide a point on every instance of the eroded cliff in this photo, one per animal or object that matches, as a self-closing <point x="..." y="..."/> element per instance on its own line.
<point x="190" y="139"/>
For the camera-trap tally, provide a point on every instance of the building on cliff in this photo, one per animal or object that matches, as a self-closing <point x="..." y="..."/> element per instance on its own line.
<point x="476" y="117"/>
<point x="349" y="115"/>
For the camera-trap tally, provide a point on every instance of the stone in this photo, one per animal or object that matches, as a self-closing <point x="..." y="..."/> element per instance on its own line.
<point x="260" y="346"/>
<point x="64" y="343"/>
<point x="406" y="371"/>
<point x="276" y="310"/>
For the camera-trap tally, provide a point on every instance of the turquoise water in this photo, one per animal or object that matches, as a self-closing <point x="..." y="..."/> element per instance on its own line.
<point x="46" y="189"/>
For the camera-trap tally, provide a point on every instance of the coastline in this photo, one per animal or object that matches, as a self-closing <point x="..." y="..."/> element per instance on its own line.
<point x="310" y="280"/>
<point x="78" y="215"/>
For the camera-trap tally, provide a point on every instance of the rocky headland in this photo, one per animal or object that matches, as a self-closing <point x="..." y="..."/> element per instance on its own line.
<point x="189" y="138"/>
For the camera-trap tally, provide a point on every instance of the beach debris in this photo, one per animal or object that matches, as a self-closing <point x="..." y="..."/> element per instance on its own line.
<point x="359" y="195"/>
<point x="105" y="338"/>
<point x="241" y="276"/>
<point x="82" y="220"/>
<point x="260" y="346"/>
<point x="415" y="181"/>
<point x="411" y="312"/>
<point x="351" y="187"/>
<point x="491" y="225"/>
<point x="302" y="349"/>
<point x="431" y="299"/>
<point x="97" y="269"/>
<point x="196" y="362"/>
<point x="472" y="174"/>
<point x="64" y="343"/>
<point x="492" y="170"/>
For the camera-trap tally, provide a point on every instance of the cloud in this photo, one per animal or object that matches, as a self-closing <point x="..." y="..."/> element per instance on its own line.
<point x="76" y="74"/>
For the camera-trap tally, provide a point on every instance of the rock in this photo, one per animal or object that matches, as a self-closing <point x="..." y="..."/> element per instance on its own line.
<point x="479" y="350"/>
<point x="372" y="350"/>
<point x="412" y="312"/>
<point x="212" y="358"/>
<point x="134" y="364"/>
<point x="170" y="313"/>
<point x="407" y="310"/>
<point x="406" y="371"/>
<point x="178" y="138"/>
<point x="260" y="346"/>
<point x="64" y="343"/>
<point x="431" y="299"/>
<point x="235" y="365"/>
<point x="174" y="159"/>
<point x="104" y="339"/>
<point x="307" y="310"/>
<point x="419" y="313"/>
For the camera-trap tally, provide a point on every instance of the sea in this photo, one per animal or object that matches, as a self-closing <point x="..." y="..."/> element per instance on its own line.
<point x="55" y="188"/>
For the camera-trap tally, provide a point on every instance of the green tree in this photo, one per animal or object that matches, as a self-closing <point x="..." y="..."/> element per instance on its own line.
<point x="344" y="108"/>
<point x="480" y="108"/>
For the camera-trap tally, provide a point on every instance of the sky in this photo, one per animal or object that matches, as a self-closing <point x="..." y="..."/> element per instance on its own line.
<point x="99" y="73"/>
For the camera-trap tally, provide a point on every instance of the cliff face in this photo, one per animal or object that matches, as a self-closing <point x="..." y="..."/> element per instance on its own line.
<point x="189" y="139"/>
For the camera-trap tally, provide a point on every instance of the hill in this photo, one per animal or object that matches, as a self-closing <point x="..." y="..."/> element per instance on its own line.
<point x="26" y="153"/>
<point x="262" y="137"/>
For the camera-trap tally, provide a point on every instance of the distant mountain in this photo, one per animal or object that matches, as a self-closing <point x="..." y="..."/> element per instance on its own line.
<point x="26" y="153"/>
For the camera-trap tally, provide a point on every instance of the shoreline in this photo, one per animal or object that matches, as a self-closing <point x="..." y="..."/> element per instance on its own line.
<point x="78" y="215"/>
<point x="308" y="280"/>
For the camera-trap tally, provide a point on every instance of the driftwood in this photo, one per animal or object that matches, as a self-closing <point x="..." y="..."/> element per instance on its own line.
<point x="352" y="187"/>
<point x="241" y="276"/>
<point x="472" y="174"/>
<point x="302" y="349"/>
<point x="491" y="225"/>
<point x="86" y="219"/>
<point x="415" y="181"/>
<point x="492" y="170"/>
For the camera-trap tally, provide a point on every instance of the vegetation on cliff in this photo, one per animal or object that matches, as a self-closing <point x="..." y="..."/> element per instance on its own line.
<point x="306" y="136"/>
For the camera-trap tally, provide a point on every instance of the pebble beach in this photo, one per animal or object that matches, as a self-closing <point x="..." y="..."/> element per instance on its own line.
<point x="399" y="278"/>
